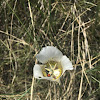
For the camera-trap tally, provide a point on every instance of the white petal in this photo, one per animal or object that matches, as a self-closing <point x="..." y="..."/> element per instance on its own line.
<point x="49" y="53"/>
<point x="66" y="64"/>
<point x="38" y="73"/>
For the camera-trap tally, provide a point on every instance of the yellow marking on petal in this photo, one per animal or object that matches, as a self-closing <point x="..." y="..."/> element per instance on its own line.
<point x="44" y="71"/>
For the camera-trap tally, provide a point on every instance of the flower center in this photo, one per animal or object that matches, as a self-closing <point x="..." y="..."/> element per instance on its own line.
<point x="52" y="69"/>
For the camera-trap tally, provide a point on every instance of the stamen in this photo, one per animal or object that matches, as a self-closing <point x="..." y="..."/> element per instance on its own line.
<point x="50" y="66"/>
<point x="47" y="69"/>
<point x="55" y="66"/>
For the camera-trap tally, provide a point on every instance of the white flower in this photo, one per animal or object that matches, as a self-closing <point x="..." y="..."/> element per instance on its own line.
<point x="54" y="64"/>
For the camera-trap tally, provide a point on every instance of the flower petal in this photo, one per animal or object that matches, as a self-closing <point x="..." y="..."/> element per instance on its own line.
<point x="66" y="64"/>
<point x="37" y="71"/>
<point x="49" y="53"/>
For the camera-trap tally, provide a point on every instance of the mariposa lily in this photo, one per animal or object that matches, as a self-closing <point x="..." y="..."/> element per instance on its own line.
<point x="53" y="66"/>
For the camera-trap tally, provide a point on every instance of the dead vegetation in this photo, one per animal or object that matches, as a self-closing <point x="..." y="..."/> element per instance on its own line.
<point x="28" y="25"/>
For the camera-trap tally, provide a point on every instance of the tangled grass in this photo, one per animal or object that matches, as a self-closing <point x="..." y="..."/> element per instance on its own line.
<point x="26" y="26"/>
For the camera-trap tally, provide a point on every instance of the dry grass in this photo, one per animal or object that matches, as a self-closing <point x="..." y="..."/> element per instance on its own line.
<point x="26" y="26"/>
